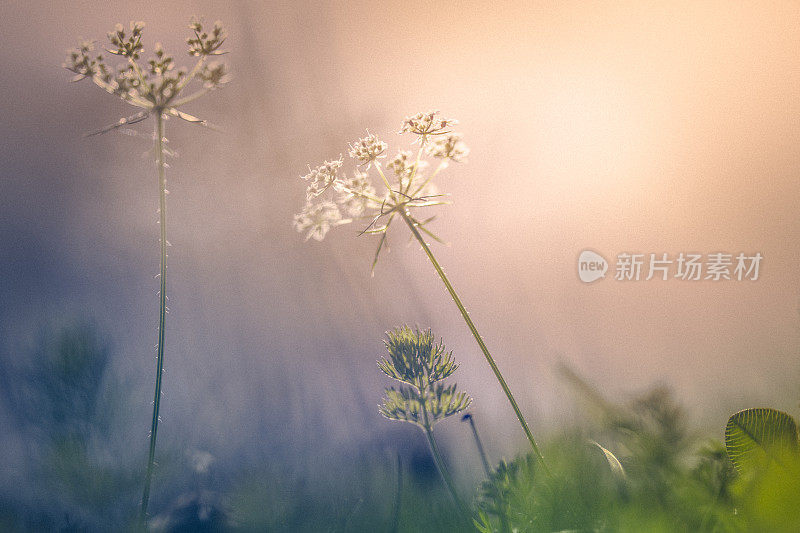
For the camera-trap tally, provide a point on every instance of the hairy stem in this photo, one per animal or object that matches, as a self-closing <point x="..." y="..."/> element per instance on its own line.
<point x="162" y="311"/>
<point x="412" y="226"/>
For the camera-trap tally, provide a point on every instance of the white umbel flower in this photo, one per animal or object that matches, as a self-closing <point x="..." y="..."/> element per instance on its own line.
<point x="367" y="149"/>
<point x="323" y="177"/>
<point x="356" y="195"/>
<point x="317" y="219"/>
<point x="427" y="124"/>
<point x="448" y="146"/>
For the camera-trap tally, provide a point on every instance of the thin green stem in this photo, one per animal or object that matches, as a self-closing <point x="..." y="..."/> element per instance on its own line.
<point x="427" y="427"/>
<point x="362" y="195"/>
<point x="191" y="98"/>
<point x="504" y="526"/>
<point x="133" y="100"/>
<point x="162" y="183"/>
<point x="413" y="175"/>
<point x="140" y="75"/>
<point x="479" y="444"/>
<point x="475" y="334"/>
<point x="386" y="182"/>
<point x="191" y="74"/>
<point x="448" y="481"/>
<point x="439" y="167"/>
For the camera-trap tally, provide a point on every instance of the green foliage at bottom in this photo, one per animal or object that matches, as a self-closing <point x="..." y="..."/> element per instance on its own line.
<point x="669" y="483"/>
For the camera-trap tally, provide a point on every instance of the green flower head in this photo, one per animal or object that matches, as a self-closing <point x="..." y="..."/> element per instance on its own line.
<point x="420" y="364"/>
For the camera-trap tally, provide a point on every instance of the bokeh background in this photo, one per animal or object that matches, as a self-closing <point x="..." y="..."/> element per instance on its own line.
<point x="616" y="126"/>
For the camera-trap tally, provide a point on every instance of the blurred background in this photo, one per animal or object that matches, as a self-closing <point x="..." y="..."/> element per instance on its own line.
<point x="616" y="126"/>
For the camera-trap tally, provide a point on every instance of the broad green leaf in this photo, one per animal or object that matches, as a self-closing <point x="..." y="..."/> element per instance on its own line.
<point x="754" y="437"/>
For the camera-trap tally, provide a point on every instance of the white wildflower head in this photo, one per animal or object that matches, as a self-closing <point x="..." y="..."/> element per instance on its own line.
<point x="406" y="168"/>
<point x="323" y="177"/>
<point x="367" y="149"/>
<point x="214" y="74"/>
<point x="356" y="194"/>
<point x="379" y="195"/>
<point x="317" y="219"/>
<point x="403" y="164"/>
<point x="155" y="84"/>
<point x="427" y="124"/>
<point x="206" y="42"/>
<point x="448" y="146"/>
<point x="126" y="45"/>
<point x="84" y="64"/>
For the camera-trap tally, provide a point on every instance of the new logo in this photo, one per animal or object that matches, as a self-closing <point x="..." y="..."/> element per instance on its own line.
<point x="591" y="266"/>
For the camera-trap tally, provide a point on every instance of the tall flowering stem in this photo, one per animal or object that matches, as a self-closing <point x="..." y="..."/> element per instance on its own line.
<point x="471" y="325"/>
<point x="409" y="187"/>
<point x="158" y="89"/>
<point x="162" y="309"/>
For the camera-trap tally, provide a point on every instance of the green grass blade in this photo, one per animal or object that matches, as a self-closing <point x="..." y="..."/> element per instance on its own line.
<point x="613" y="462"/>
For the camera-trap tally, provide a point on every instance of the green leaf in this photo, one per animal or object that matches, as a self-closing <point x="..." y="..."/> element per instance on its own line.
<point x="754" y="437"/>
